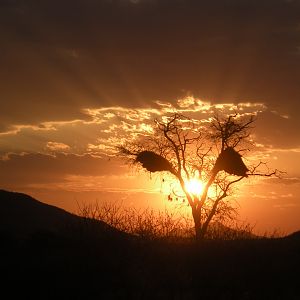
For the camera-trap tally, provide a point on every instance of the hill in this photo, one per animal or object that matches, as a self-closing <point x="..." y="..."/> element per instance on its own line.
<point x="22" y="216"/>
<point x="95" y="261"/>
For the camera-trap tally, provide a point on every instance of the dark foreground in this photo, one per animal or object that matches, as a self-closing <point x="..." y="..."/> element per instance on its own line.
<point x="92" y="262"/>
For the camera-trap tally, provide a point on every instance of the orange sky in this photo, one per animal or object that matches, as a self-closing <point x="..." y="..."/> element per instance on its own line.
<point x="76" y="80"/>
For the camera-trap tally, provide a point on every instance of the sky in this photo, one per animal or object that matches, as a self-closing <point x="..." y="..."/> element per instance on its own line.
<point x="79" y="77"/>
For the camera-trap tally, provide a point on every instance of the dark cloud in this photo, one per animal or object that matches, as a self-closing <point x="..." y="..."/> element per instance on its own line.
<point x="278" y="131"/>
<point x="286" y="181"/>
<point x="28" y="169"/>
<point x="58" y="57"/>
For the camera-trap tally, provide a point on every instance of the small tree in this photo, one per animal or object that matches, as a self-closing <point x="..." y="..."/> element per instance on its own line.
<point x="208" y="153"/>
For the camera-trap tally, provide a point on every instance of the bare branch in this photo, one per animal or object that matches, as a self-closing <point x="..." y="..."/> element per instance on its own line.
<point x="256" y="171"/>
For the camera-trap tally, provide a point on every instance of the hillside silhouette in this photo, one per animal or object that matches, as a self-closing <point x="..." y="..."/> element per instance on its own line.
<point x="22" y="216"/>
<point x="47" y="252"/>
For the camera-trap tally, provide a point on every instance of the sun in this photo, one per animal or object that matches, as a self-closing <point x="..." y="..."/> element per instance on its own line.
<point x="194" y="186"/>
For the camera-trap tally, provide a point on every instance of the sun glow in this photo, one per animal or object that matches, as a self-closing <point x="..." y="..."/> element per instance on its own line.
<point x="194" y="186"/>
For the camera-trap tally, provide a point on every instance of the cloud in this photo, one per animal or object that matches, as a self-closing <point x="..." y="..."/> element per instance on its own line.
<point x="69" y="53"/>
<point x="29" y="169"/>
<point x="286" y="181"/>
<point x="286" y="206"/>
<point x="104" y="128"/>
<point x="277" y="131"/>
<point x="72" y="173"/>
<point x="54" y="146"/>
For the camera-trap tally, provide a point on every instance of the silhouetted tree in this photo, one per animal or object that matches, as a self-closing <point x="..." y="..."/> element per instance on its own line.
<point x="210" y="152"/>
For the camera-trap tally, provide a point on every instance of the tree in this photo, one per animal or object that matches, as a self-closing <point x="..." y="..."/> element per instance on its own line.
<point x="192" y="151"/>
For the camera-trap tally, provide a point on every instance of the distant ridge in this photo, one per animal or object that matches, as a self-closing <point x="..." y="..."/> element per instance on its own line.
<point x="21" y="215"/>
<point x="294" y="235"/>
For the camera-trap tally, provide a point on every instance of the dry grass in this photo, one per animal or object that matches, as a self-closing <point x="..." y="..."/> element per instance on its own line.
<point x="166" y="224"/>
<point x="141" y="222"/>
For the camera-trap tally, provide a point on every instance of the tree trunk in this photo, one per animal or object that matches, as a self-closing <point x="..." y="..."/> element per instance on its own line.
<point x="199" y="233"/>
<point x="197" y="221"/>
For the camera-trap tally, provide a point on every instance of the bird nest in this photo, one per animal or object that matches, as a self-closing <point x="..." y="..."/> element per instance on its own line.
<point x="153" y="162"/>
<point x="231" y="162"/>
